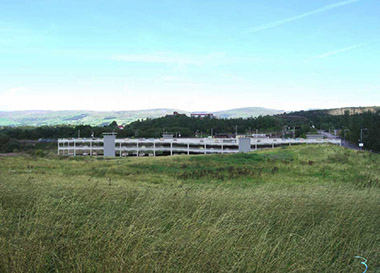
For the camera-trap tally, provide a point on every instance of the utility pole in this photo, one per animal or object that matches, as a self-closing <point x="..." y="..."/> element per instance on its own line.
<point x="361" y="137"/>
<point x="236" y="131"/>
<point x="344" y="133"/>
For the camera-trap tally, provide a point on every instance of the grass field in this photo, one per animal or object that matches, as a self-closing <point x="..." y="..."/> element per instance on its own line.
<point x="295" y="209"/>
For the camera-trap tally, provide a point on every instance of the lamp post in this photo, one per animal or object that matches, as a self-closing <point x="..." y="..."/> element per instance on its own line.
<point x="344" y="133"/>
<point x="361" y="137"/>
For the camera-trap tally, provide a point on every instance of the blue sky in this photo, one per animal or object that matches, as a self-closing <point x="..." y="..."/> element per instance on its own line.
<point x="190" y="55"/>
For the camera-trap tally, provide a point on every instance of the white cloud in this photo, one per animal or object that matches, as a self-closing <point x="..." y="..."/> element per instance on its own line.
<point x="298" y="17"/>
<point x="172" y="92"/>
<point x="172" y="58"/>
<point x="341" y="50"/>
<point x="179" y="63"/>
<point x="157" y="58"/>
<point x="9" y="97"/>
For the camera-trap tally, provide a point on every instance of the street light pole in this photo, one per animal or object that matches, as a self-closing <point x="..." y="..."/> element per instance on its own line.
<point x="344" y="133"/>
<point x="361" y="136"/>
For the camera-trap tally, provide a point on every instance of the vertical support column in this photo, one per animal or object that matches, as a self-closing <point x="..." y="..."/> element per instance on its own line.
<point x="137" y="148"/>
<point x="91" y="147"/>
<point x="205" y="147"/>
<point x="74" y="148"/>
<point x="272" y="145"/>
<point x="256" y="146"/>
<point x="171" y="148"/>
<point x="120" y="148"/>
<point x="221" y="146"/>
<point x="109" y="147"/>
<point x="188" y="147"/>
<point x="244" y="144"/>
<point x="154" y="148"/>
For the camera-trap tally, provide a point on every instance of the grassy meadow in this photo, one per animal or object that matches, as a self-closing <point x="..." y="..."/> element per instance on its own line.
<point x="294" y="209"/>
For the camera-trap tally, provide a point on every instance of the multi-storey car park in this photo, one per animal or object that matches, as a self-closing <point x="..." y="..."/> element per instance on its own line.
<point x="112" y="146"/>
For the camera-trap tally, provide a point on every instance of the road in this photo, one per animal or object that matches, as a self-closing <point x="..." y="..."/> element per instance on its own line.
<point x="345" y="143"/>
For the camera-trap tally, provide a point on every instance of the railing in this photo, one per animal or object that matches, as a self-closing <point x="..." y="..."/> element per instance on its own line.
<point x="153" y="147"/>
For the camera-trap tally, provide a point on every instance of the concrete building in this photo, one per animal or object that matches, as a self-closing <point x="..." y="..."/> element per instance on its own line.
<point x="112" y="146"/>
<point x="314" y="136"/>
<point x="202" y="115"/>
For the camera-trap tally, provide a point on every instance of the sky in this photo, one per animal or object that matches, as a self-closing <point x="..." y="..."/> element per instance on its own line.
<point x="189" y="55"/>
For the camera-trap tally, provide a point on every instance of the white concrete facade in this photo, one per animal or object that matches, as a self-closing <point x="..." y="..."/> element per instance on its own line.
<point x="154" y="147"/>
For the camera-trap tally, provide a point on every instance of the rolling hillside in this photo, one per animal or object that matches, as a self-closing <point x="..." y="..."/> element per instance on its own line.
<point x="247" y="112"/>
<point x="38" y="118"/>
<point x="352" y="110"/>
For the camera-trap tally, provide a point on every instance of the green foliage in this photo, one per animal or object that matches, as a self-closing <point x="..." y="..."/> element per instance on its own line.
<point x="99" y="118"/>
<point x="3" y="138"/>
<point x="351" y="123"/>
<point x="297" y="209"/>
<point x="113" y="124"/>
<point x="303" y="122"/>
<point x="189" y="127"/>
<point x="40" y="153"/>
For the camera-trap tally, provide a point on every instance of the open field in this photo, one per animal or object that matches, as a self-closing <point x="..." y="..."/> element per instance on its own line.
<point x="295" y="209"/>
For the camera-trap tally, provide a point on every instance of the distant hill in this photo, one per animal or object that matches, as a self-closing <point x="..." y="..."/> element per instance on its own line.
<point x="352" y="110"/>
<point x="333" y="111"/>
<point x="247" y="112"/>
<point x="39" y="117"/>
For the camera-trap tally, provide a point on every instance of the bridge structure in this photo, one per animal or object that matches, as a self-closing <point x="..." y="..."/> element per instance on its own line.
<point x="112" y="146"/>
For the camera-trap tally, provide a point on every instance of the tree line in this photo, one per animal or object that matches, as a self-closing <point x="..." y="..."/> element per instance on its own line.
<point x="295" y="124"/>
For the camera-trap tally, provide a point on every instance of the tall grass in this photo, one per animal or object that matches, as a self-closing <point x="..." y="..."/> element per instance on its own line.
<point x="299" y="209"/>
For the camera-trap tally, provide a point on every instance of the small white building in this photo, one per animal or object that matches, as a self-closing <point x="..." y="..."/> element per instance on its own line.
<point x="260" y="136"/>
